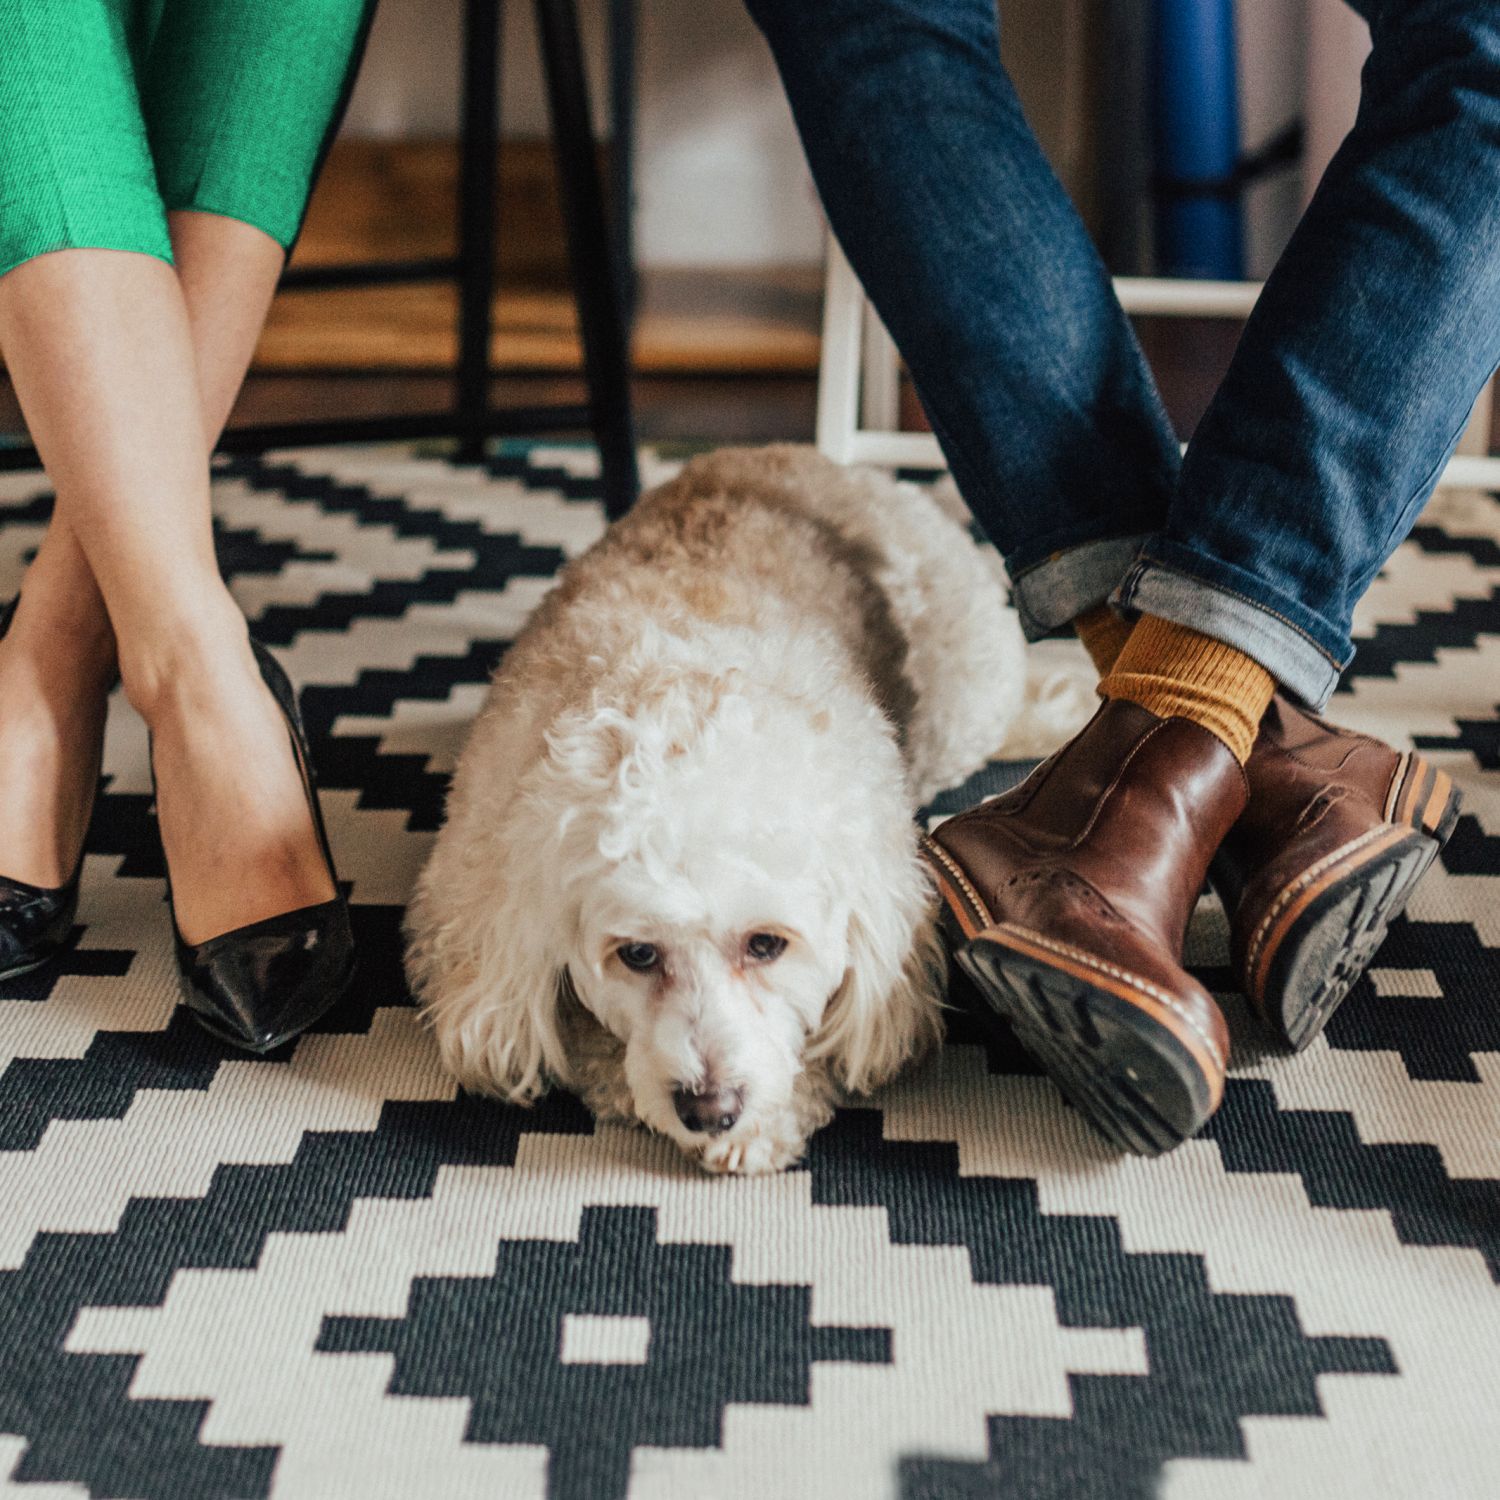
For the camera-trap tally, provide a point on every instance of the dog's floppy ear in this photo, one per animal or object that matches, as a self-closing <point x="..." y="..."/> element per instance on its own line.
<point x="484" y="961"/>
<point x="492" y="922"/>
<point x="887" y="1008"/>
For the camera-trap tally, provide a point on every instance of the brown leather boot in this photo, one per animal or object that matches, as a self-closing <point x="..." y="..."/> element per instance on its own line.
<point x="1071" y="897"/>
<point x="1337" y="833"/>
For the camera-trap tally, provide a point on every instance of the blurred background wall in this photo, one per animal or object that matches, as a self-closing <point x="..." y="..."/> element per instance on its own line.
<point x="720" y="178"/>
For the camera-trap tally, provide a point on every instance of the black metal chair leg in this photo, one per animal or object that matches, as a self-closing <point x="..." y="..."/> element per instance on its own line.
<point x="622" y="49"/>
<point x="596" y="282"/>
<point x="479" y="144"/>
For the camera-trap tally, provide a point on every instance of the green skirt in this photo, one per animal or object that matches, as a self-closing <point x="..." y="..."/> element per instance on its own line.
<point x="115" y="112"/>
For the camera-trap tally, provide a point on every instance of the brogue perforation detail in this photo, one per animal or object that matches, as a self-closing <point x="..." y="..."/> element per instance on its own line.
<point x="1064" y="879"/>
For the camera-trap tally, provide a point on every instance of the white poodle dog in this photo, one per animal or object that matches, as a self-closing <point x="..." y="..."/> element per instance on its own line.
<point x="679" y="873"/>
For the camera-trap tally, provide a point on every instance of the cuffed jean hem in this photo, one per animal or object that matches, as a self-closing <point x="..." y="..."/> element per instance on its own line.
<point x="1289" y="654"/>
<point x="1053" y="592"/>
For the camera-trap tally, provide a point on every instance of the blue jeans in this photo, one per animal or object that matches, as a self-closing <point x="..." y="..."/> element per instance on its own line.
<point x="1348" y="392"/>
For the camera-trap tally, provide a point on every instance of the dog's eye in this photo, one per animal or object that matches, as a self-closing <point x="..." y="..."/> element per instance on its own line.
<point x="763" y="947"/>
<point x="642" y="957"/>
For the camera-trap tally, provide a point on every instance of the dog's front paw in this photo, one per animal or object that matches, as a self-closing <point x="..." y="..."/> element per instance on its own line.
<point x="748" y="1152"/>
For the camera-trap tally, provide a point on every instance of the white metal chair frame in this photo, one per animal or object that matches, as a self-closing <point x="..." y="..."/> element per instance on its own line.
<point x="859" y="373"/>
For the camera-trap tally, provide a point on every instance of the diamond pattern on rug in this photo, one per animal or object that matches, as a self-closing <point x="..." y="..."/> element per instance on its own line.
<point x="327" y="1273"/>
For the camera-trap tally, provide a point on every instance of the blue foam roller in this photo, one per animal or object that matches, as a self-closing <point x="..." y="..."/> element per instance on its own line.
<point x="1197" y="138"/>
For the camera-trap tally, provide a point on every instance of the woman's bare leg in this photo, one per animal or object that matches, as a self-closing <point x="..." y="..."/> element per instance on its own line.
<point x="102" y="352"/>
<point x="58" y="660"/>
<point x="228" y="273"/>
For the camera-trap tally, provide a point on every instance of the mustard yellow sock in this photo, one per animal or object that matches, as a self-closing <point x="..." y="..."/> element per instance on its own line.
<point x="1181" y="673"/>
<point x="1103" y="634"/>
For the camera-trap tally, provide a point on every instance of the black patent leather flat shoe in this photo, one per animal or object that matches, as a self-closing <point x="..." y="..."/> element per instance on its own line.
<point x="35" y="920"/>
<point x="259" y="986"/>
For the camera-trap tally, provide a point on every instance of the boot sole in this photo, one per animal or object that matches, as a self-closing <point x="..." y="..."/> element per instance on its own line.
<point x="1142" y="1075"/>
<point x="1322" y="931"/>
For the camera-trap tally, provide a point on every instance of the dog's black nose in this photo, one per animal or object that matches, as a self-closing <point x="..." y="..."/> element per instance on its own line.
<point x="712" y="1110"/>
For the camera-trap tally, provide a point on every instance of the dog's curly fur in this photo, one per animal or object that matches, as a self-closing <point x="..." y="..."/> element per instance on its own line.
<point x="718" y="724"/>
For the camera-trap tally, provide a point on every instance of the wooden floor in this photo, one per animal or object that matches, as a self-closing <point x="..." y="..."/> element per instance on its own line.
<point x="719" y="409"/>
<point x="689" y="323"/>
<point x="716" y="409"/>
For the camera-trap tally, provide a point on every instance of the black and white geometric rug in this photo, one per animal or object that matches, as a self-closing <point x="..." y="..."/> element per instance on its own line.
<point x="321" y="1274"/>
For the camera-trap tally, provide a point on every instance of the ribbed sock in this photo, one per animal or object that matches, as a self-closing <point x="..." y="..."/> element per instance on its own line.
<point x="1103" y="633"/>
<point x="1180" y="673"/>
